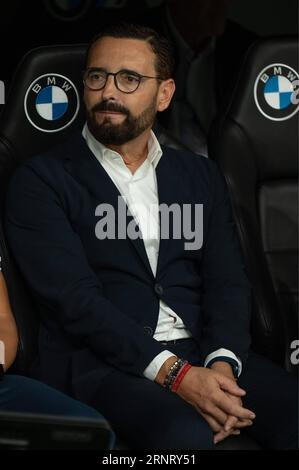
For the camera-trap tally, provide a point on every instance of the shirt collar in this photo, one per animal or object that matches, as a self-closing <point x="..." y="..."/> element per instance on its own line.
<point x="101" y="152"/>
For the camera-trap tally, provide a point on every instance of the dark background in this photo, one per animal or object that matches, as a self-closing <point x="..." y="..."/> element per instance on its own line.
<point x="27" y="24"/>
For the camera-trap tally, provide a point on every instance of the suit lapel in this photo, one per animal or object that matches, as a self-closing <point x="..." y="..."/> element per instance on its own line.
<point x="84" y="166"/>
<point x="172" y="189"/>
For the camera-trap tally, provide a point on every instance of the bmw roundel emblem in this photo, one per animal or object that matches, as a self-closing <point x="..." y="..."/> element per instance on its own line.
<point x="274" y="92"/>
<point x="51" y="102"/>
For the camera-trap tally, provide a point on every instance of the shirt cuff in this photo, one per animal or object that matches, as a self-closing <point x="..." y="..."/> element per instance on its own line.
<point x="223" y="353"/>
<point x="155" y="365"/>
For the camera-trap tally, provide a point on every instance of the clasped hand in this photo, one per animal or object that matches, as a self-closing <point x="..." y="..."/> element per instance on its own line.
<point x="218" y="398"/>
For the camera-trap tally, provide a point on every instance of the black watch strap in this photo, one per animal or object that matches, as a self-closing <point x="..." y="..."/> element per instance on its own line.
<point x="234" y="364"/>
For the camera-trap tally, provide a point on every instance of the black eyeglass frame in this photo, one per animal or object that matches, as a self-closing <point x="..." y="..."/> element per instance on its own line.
<point x="114" y="74"/>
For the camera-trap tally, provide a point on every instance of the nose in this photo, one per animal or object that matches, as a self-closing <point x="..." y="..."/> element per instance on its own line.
<point x="109" y="91"/>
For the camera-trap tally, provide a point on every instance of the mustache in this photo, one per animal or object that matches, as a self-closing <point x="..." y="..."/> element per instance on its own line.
<point x="110" y="106"/>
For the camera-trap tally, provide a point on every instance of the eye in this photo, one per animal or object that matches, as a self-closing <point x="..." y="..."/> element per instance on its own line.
<point x="129" y="77"/>
<point x="96" y="76"/>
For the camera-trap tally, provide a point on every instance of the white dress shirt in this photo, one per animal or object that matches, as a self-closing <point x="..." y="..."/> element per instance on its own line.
<point x="141" y="196"/>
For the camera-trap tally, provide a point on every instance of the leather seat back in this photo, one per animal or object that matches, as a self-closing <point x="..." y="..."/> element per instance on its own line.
<point x="255" y="142"/>
<point x="43" y="108"/>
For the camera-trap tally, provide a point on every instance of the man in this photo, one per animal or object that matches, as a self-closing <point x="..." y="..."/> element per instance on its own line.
<point x="120" y="313"/>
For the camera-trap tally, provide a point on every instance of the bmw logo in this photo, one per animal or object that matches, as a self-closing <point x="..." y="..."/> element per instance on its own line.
<point x="51" y="103"/>
<point x="274" y="91"/>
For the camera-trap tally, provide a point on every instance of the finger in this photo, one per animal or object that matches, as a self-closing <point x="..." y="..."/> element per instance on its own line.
<point x="214" y="425"/>
<point x="230" y="386"/>
<point x="230" y="423"/>
<point x="220" y="436"/>
<point x="216" y="412"/>
<point x="232" y="408"/>
<point x="244" y="423"/>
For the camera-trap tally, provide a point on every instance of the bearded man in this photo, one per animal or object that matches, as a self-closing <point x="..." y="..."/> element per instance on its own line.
<point x="148" y="327"/>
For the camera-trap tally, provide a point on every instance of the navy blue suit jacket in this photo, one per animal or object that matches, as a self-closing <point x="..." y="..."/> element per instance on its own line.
<point x="98" y="299"/>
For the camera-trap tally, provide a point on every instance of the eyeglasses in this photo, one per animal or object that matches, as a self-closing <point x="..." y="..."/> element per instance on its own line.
<point x="126" y="81"/>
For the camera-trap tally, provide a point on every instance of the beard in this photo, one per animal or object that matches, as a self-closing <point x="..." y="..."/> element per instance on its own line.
<point x="109" y="133"/>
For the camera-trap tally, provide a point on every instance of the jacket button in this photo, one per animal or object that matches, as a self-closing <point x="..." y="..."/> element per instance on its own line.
<point x="148" y="330"/>
<point x="158" y="289"/>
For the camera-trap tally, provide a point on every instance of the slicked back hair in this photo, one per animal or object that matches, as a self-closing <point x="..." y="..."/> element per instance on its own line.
<point x="161" y="47"/>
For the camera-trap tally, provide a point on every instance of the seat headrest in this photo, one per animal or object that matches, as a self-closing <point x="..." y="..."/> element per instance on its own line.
<point x="43" y="105"/>
<point x="261" y="115"/>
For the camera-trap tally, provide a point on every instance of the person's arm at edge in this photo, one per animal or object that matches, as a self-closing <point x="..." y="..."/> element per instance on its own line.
<point x="8" y="329"/>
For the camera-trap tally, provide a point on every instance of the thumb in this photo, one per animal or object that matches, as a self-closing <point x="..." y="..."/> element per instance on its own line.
<point x="230" y="423"/>
<point x="230" y="386"/>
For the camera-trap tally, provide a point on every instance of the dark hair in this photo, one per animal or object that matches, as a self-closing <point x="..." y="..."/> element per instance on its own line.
<point x="162" y="47"/>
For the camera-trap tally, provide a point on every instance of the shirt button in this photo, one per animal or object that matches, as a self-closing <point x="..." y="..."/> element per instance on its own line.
<point x="158" y="289"/>
<point x="148" y="330"/>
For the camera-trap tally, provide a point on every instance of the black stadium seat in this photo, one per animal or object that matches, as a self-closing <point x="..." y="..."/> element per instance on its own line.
<point x="30" y="124"/>
<point x="255" y="142"/>
<point x="24" y="130"/>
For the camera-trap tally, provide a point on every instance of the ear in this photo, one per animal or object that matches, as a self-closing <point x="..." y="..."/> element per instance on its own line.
<point x="165" y="94"/>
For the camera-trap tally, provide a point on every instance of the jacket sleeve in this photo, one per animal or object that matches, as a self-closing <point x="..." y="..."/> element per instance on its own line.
<point x="52" y="259"/>
<point x="226" y="300"/>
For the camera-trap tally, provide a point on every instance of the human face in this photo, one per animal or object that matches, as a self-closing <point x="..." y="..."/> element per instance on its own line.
<point x="115" y="117"/>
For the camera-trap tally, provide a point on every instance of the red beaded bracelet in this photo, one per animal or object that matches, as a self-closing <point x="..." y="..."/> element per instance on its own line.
<point x="180" y="377"/>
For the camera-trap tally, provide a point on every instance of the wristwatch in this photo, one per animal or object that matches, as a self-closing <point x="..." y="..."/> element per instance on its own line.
<point x="229" y="360"/>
